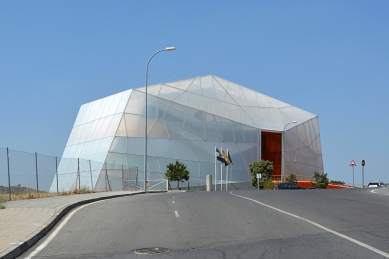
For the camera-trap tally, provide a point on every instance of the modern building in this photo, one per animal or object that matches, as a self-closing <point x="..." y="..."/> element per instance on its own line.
<point x="187" y="119"/>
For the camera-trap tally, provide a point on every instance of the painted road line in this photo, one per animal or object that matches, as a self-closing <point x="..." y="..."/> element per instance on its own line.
<point x="319" y="226"/>
<point x="175" y="212"/>
<point x="173" y="201"/>
<point x="56" y="231"/>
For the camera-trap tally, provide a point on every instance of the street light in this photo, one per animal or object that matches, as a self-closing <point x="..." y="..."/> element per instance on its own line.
<point x="147" y="77"/>
<point x="283" y="158"/>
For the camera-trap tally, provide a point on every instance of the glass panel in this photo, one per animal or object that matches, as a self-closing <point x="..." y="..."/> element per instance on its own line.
<point x="181" y="99"/>
<point x="152" y="106"/>
<point x="136" y="103"/>
<point x="182" y="150"/>
<point x="137" y="161"/>
<point x="194" y="122"/>
<point x="193" y="100"/>
<point x="238" y="134"/>
<point x="135" y="125"/>
<point x="175" y="114"/>
<point x="220" y="92"/>
<point x="250" y="96"/>
<point x="221" y="109"/>
<point x="154" y="89"/>
<point x="195" y="86"/>
<point x="95" y="110"/>
<point x="249" y="152"/>
<point x="162" y="107"/>
<point x="122" y="131"/>
<point x="207" y="104"/>
<point x="246" y="119"/>
<point x="207" y="87"/>
<point x="80" y="131"/>
<point x="202" y="151"/>
<point x="72" y="136"/>
<point x="102" y="127"/>
<point x="182" y="84"/>
<point x="262" y="100"/>
<point x="135" y="146"/>
<point x="113" y="125"/>
<point x="114" y="104"/>
<point x="169" y="93"/>
<point x="210" y="128"/>
<point x="80" y="114"/>
<point x="87" y="132"/>
<point x="105" y="104"/>
<point x="225" y="129"/>
<point x="158" y="130"/>
<point x="174" y="131"/>
<point x="103" y="150"/>
<point x="163" y="148"/>
<point x="301" y="135"/>
<point x="123" y="101"/>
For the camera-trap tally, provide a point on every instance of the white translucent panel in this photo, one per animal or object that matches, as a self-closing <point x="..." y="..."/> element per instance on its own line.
<point x="273" y="103"/>
<point x="102" y="127"/>
<point x="316" y="145"/>
<point x="290" y="155"/>
<point x="301" y="136"/>
<point x="221" y="109"/>
<point x="163" y="162"/>
<point x="281" y="104"/>
<point x="114" y="104"/>
<point x="136" y="103"/>
<point x="259" y="116"/>
<point x="207" y="104"/>
<point x="221" y="81"/>
<point x="137" y="161"/>
<point x="181" y="99"/>
<point x="194" y="170"/>
<point x="310" y="137"/>
<point x="113" y="125"/>
<point x="175" y="114"/>
<point x="104" y="107"/>
<point x="162" y="107"/>
<point x="191" y="136"/>
<point x="210" y="128"/>
<point x="154" y="89"/>
<point x="183" y="151"/>
<point x="274" y="119"/>
<point x="163" y="148"/>
<point x="220" y="92"/>
<point x="250" y="134"/>
<point x="250" y="96"/>
<point x="118" y="160"/>
<point x="158" y="130"/>
<point x="290" y="139"/>
<point x="193" y="122"/>
<point x="193" y="100"/>
<point x="182" y="84"/>
<point x="249" y="151"/>
<point x="246" y="119"/>
<point x="121" y="131"/>
<point x="225" y="129"/>
<point x="95" y="146"/>
<point x="292" y="113"/>
<point x="135" y="125"/>
<point x="174" y="131"/>
<point x="230" y="99"/>
<point x="87" y="132"/>
<point x="238" y="133"/>
<point x="207" y="87"/>
<point x="77" y="150"/>
<point x="88" y="149"/>
<point x="206" y="169"/>
<point x="235" y="153"/>
<point x="315" y="122"/>
<point x="136" y="146"/>
<point x="72" y="136"/>
<point x="123" y="101"/>
<point x="94" y="128"/>
<point x="153" y="167"/>
<point x="290" y="168"/>
<point x="234" y="112"/>
<point x="96" y="106"/>
<point x="169" y="93"/>
<point x="237" y="95"/>
<point x="285" y="120"/>
<point x="305" y="115"/>
<point x="103" y="149"/>
<point x="80" y="115"/>
<point x="80" y="131"/>
<point x="203" y="153"/>
<point x="88" y="108"/>
<point x="262" y="100"/>
<point x="152" y="106"/>
<point x="195" y="86"/>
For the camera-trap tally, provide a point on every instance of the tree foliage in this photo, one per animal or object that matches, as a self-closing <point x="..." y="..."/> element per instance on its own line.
<point x="177" y="172"/>
<point x="263" y="167"/>
<point x="291" y="178"/>
<point x="321" y="180"/>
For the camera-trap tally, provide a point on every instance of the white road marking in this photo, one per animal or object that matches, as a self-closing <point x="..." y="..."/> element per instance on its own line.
<point x="175" y="212"/>
<point x="373" y="191"/>
<point x="173" y="201"/>
<point x="56" y="231"/>
<point x="319" y="226"/>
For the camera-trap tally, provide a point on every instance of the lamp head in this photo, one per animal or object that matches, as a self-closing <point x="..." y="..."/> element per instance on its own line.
<point x="170" y="48"/>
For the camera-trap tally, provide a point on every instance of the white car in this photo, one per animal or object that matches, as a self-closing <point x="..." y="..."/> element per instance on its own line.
<point x="376" y="184"/>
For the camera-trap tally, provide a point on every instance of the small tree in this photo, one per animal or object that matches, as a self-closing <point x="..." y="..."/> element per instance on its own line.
<point x="291" y="178"/>
<point x="177" y="172"/>
<point x="321" y="180"/>
<point x="265" y="168"/>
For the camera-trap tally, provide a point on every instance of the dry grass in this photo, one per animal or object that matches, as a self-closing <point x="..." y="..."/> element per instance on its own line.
<point x="33" y="194"/>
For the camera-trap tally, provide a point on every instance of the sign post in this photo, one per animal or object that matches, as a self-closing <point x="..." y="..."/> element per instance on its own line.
<point x="352" y="163"/>
<point x="363" y="173"/>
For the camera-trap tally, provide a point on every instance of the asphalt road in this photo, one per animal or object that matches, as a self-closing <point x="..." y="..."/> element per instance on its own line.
<point x="223" y="225"/>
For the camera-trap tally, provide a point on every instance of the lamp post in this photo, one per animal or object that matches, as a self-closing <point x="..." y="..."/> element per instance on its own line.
<point x="282" y="147"/>
<point x="147" y="77"/>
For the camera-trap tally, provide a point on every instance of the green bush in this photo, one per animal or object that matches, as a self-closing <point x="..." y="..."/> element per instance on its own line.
<point x="263" y="167"/>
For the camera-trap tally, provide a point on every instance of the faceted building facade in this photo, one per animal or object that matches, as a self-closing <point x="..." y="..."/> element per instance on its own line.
<point x="187" y="119"/>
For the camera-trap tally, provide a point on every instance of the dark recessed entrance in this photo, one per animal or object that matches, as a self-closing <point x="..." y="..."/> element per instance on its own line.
<point x="272" y="150"/>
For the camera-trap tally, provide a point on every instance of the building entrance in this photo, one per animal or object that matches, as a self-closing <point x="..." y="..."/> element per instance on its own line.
<point x="272" y="150"/>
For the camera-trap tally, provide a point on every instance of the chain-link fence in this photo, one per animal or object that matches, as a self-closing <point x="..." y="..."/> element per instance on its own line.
<point x="36" y="175"/>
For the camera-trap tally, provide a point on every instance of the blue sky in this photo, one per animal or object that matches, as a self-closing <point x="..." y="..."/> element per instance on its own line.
<point x="330" y="58"/>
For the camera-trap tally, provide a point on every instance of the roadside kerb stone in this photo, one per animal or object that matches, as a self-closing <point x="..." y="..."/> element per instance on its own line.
<point x="25" y="222"/>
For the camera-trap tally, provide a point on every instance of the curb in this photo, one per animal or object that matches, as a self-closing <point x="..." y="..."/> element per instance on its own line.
<point x="35" y="237"/>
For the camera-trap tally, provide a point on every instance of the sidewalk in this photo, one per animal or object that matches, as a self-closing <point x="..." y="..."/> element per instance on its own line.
<point x="23" y="223"/>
